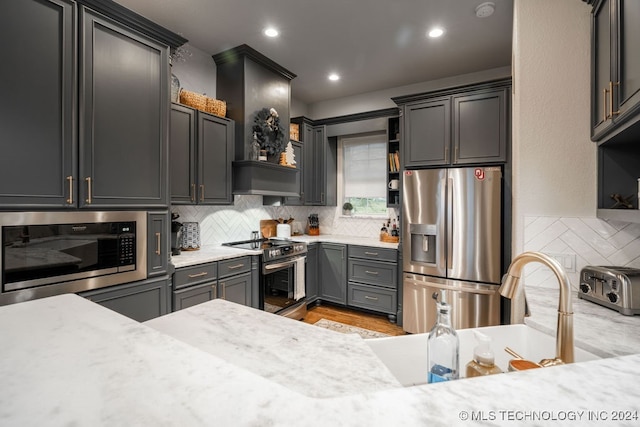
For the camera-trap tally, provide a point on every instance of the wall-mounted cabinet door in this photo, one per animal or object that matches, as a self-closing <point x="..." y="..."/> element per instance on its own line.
<point x="182" y="154"/>
<point x="427" y="133"/>
<point x="124" y="116"/>
<point x="215" y="155"/>
<point x="480" y="127"/>
<point x="38" y="104"/>
<point x="615" y="92"/>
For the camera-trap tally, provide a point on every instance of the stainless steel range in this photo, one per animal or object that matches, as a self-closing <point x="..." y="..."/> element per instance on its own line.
<point x="282" y="279"/>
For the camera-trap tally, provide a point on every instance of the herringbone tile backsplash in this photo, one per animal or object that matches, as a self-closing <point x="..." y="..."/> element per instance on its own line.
<point x="232" y="223"/>
<point x="578" y="242"/>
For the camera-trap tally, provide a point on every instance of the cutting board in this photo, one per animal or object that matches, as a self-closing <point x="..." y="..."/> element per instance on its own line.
<point x="268" y="228"/>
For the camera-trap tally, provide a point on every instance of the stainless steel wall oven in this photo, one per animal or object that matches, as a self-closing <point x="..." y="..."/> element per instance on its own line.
<point x="49" y="253"/>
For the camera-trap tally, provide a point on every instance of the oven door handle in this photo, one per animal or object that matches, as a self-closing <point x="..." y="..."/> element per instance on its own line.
<point x="282" y="264"/>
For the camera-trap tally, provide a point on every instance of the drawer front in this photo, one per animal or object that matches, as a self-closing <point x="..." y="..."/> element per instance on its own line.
<point x="193" y="275"/>
<point x="373" y="272"/>
<point x="372" y="298"/>
<point x="233" y="266"/>
<point x="369" y="252"/>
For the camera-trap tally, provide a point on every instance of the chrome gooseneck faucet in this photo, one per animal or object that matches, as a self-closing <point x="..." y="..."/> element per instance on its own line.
<point x="564" y="328"/>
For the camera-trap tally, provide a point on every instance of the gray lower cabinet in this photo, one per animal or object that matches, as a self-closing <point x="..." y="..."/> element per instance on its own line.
<point x="232" y="280"/>
<point x="373" y="279"/>
<point x="201" y="147"/>
<point x="332" y="260"/>
<point x="140" y="301"/>
<point x="158" y="243"/>
<point x="311" y="273"/>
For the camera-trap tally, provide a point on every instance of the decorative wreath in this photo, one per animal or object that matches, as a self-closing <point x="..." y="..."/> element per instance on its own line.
<point x="269" y="132"/>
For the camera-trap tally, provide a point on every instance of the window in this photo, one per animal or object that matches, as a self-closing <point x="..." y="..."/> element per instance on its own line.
<point x="364" y="176"/>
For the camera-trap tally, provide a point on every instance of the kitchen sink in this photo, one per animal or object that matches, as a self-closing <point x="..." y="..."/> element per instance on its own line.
<point x="406" y="355"/>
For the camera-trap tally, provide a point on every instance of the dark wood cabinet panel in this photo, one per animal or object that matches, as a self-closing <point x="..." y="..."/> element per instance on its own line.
<point x="140" y="301"/>
<point x="215" y="155"/>
<point x="236" y="289"/>
<point x="182" y="154"/>
<point x="158" y="243"/>
<point x="333" y="273"/>
<point x="124" y="115"/>
<point x="311" y="273"/>
<point x="202" y="150"/>
<point x="194" y="295"/>
<point x="39" y="139"/>
<point x="427" y="133"/>
<point x="466" y="125"/>
<point x="480" y="132"/>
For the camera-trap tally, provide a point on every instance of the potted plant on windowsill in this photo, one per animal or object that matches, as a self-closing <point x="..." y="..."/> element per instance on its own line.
<point x="347" y="208"/>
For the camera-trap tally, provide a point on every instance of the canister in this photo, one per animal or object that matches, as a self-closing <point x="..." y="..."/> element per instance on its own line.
<point x="190" y="236"/>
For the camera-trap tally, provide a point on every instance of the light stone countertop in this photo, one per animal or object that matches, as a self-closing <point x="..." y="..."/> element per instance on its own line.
<point x="211" y="253"/>
<point x="68" y="361"/>
<point x="597" y="329"/>
<point x="313" y="361"/>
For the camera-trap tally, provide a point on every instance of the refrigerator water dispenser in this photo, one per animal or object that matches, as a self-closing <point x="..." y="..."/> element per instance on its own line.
<point x="423" y="243"/>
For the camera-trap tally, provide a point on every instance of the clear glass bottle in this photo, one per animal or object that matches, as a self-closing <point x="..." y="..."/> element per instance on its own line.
<point x="443" y="345"/>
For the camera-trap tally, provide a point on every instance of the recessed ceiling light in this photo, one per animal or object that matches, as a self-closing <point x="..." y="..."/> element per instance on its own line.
<point x="436" y="32"/>
<point x="271" y="32"/>
<point x="334" y="77"/>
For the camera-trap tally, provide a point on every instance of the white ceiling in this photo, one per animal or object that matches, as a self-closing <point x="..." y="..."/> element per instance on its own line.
<point x="372" y="44"/>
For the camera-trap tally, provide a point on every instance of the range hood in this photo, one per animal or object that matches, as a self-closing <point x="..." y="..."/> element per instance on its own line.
<point x="249" y="81"/>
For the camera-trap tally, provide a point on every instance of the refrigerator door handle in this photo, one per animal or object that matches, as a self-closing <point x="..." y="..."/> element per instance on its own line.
<point x="441" y="243"/>
<point x="472" y="289"/>
<point x="450" y="238"/>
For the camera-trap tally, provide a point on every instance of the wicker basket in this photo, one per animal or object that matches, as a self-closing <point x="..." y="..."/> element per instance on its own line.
<point x="193" y="99"/>
<point x="217" y="107"/>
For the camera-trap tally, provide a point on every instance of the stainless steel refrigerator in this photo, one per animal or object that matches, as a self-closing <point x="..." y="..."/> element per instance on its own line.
<point x="452" y="240"/>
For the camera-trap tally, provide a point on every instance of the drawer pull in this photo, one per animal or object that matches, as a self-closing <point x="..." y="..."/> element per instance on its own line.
<point x="371" y="253"/>
<point x="235" y="267"/>
<point x="373" y="273"/>
<point x="193" y="276"/>
<point x="371" y="298"/>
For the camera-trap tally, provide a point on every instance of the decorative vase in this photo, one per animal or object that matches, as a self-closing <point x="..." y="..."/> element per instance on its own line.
<point x="175" y="88"/>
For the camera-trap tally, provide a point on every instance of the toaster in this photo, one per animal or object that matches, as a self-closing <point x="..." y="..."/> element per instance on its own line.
<point x="617" y="288"/>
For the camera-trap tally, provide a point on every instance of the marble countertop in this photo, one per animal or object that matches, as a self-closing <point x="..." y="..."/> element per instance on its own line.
<point x="313" y="361"/>
<point x="211" y="253"/>
<point x="68" y="361"/>
<point x="597" y="329"/>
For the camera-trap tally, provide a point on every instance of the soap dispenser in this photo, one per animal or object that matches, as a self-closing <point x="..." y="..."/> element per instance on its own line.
<point x="483" y="362"/>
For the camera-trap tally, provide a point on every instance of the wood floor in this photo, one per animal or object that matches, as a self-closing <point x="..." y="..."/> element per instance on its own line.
<point x="361" y="319"/>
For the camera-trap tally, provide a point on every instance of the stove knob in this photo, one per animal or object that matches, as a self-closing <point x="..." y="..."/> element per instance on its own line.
<point x="612" y="297"/>
<point x="585" y="288"/>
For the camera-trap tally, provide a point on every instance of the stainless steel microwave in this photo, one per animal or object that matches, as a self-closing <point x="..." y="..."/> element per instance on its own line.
<point x="50" y="253"/>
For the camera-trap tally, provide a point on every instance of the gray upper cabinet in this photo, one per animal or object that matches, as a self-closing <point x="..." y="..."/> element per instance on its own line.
<point x="39" y="104"/>
<point x="468" y="125"/>
<point x="318" y="171"/>
<point x="615" y="93"/>
<point x="427" y="133"/>
<point x="124" y="116"/>
<point x="86" y="115"/>
<point x="202" y="151"/>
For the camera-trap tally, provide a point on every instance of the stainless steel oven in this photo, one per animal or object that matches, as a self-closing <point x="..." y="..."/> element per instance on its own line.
<point x="49" y="253"/>
<point x="282" y="279"/>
